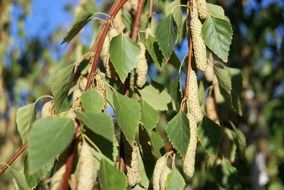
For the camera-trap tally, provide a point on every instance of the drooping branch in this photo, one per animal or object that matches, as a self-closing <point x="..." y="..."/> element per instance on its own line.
<point x="97" y="47"/>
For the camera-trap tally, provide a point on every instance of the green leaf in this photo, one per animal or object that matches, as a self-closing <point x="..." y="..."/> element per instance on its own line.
<point x="225" y="82"/>
<point x="225" y="174"/>
<point x="149" y="116"/>
<point x="153" y="97"/>
<point x="48" y="138"/>
<point x="209" y="135"/>
<point x="19" y="178"/>
<point x="36" y="177"/>
<point x="61" y="82"/>
<point x="216" y="11"/>
<point x="157" y="143"/>
<point x="217" y="34"/>
<point x="110" y="178"/>
<point x="175" y="92"/>
<point x="175" y="180"/>
<point x="175" y="9"/>
<point x="123" y="55"/>
<point x="128" y="114"/>
<point x="100" y="123"/>
<point x="92" y="101"/>
<point x="178" y="132"/>
<point x="81" y="19"/>
<point x="166" y="34"/>
<point x="240" y="139"/>
<point x="24" y="119"/>
<point x="154" y="50"/>
<point x="237" y="86"/>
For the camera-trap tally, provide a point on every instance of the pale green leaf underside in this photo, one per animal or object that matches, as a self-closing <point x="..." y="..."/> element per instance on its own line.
<point x="110" y="178"/>
<point x="19" y="178"/>
<point x="166" y="34"/>
<point x="100" y="123"/>
<point x="81" y="19"/>
<point x="24" y="119"/>
<point x="92" y="101"/>
<point x="123" y="55"/>
<point x="48" y="138"/>
<point x="175" y="180"/>
<point x="209" y="135"/>
<point x="178" y="132"/>
<point x="61" y="82"/>
<point x="153" y="97"/>
<point x="128" y="114"/>
<point x="217" y="34"/>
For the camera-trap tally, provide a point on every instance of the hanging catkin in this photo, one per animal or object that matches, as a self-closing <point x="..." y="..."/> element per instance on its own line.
<point x="105" y="52"/>
<point x="47" y="109"/>
<point x="189" y="159"/>
<point x="202" y="9"/>
<point x="209" y="72"/>
<point x="87" y="168"/>
<point x="142" y="66"/>
<point x="132" y="166"/>
<point x="164" y="175"/>
<point x="193" y="105"/>
<point x="199" y="48"/>
<point x="100" y="85"/>
<point x="160" y="165"/>
<point x="211" y="109"/>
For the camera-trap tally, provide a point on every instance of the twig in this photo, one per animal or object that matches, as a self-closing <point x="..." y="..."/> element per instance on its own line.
<point x="14" y="157"/>
<point x="97" y="47"/>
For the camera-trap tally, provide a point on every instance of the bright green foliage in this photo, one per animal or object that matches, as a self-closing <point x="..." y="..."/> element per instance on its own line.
<point x="217" y="34"/>
<point x="128" y="113"/>
<point x="175" y="180"/>
<point x="110" y="178"/>
<point x="48" y="138"/>
<point x="81" y="19"/>
<point x="153" y="97"/>
<point x="100" y="123"/>
<point x="149" y="116"/>
<point x="166" y="34"/>
<point x="92" y="101"/>
<point x="178" y="132"/>
<point x="61" y="82"/>
<point x="25" y="117"/>
<point x="123" y="55"/>
<point x="19" y="178"/>
<point x="209" y="135"/>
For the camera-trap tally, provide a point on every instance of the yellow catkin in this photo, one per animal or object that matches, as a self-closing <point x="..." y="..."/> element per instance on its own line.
<point x="142" y="66"/>
<point x="189" y="159"/>
<point x="209" y="72"/>
<point x="56" y="179"/>
<point x="105" y="52"/>
<point x="118" y="22"/>
<point x="132" y="165"/>
<point x="87" y="168"/>
<point x="202" y="9"/>
<point x="193" y="105"/>
<point x="100" y="85"/>
<point x="199" y="48"/>
<point x="160" y="165"/>
<point x="48" y="109"/>
<point x="164" y="175"/>
<point x="82" y="83"/>
<point x="211" y="109"/>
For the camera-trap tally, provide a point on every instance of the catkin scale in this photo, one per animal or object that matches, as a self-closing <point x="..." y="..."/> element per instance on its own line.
<point x="160" y="165"/>
<point x="87" y="168"/>
<point x="132" y="165"/>
<point x="209" y="72"/>
<point x="211" y="109"/>
<point x="193" y="105"/>
<point x="199" y="48"/>
<point x="47" y="109"/>
<point x="202" y="9"/>
<point x="142" y="66"/>
<point x="164" y="175"/>
<point x="105" y="52"/>
<point x="189" y="159"/>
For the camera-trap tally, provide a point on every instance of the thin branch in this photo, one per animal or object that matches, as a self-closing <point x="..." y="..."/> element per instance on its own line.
<point x="97" y="47"/>
<point x="14" y="157"/>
